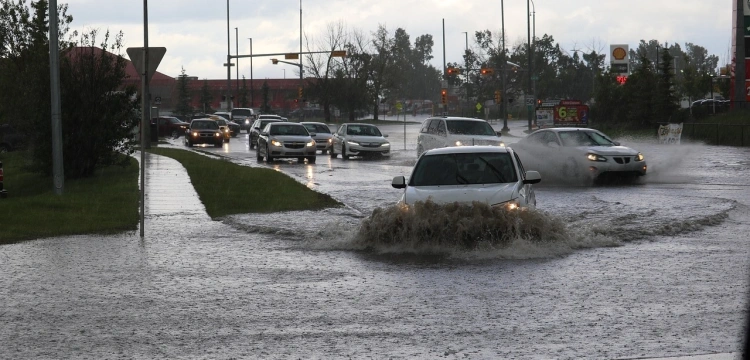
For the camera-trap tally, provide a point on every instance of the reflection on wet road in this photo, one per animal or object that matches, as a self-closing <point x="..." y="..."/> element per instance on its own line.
<point x="657" y="268"/>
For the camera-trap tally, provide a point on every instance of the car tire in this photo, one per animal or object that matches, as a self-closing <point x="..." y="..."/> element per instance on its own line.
<point x="311" y="160"/>
<point x="420" y="150"/>
<point x="218" y="145"/>
<point x="269" y="158"/>
<point x="188" y="144"/>
<point x="323" y="152"/>
<point x="175" y="134"/>
<point x="258" y="156"/>
<point x="333" y="153"/>
<point x="343" y="152"/>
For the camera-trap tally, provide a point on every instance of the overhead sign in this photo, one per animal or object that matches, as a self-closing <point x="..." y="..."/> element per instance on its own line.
<point x="155" y="54"/>
<point x="291" y="56"/>
<point x="338" y="53"/>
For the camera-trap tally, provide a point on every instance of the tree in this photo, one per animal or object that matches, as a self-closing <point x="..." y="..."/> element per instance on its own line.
<point x="665" y="101"/>
<point x="379" y="76"/>
<point x="206" y="98"/>
<point x="323" y="67"/>
<point x="183" y="107"/>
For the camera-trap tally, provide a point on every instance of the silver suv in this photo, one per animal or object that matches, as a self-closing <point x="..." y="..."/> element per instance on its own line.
<point x="438" y="132"/>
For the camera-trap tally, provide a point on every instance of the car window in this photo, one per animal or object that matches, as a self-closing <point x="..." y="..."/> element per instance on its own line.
<point x="548" y="137"/>
<point x="241" y="112"/>
<point x="363" y="130"/>
<point x="425" y="126"/>
<point x="583" y="138"/>
<point x="317" y="128"/>
<point x="204" y="125"/>
<point x="341" y="130"/>
<point x="284" y="129"/>
<point x="470" y="127"/>
<point x="433" y="126"/>
<point x="460" y="169"/>
<point x="441" y="128"/>
<point x="520" y="167"/>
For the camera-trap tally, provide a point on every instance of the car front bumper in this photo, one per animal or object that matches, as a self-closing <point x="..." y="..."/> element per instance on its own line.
<point x="618" y="165"/>
<point x="291" y="150"/>
<point x="360" y="150"/>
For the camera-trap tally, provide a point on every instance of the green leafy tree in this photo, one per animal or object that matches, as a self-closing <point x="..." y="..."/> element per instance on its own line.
<point x="665" y="102"/>
<point x="183" y="107"/>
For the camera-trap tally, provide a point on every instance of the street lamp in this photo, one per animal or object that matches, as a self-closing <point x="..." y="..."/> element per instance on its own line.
<point x="533" y="47"/>
<point x="503" y="74"/>
<point x="528" y="46"/>
<point x="237" y="52"/>
<point x="252" y="102"/>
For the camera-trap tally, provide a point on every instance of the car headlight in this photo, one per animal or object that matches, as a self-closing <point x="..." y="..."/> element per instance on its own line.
<point x="330" y="141"/>
<point x="639" y="157"/>
<point x="595" y="157"/>
<point x="459" y="143"/>
<point x="218" y="134"/>
<point x="311" y="143"/>
<point x="275" y="143"/>
<point x="501" y="144"/>
<point x="195" y="133"/>
<point x="352" y="143"/>
<point x="509" y="205"/>
<point x="385" y="144"/>
<point x="247" y="122"/>
<point x="226" y="130"/>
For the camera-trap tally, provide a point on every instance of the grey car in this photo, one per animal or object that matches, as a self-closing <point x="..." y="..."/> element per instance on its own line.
<point x="355" y="139"/>
<point x="286" y="140"/>
<point x="323" y="136"/>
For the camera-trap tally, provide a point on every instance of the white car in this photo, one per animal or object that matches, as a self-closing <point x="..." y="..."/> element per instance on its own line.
<point x="440" y="132"/>
<point x="355" y="139"/>
<point x="489" y="174"/>
<point x="323" y="136"/>
<point x="285" y="140"/>
<point x="578" y="154"/>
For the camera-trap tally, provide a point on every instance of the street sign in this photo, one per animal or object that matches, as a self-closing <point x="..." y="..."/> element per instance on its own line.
<point x="157" y="100"/>
<point x="399" y="106"/>
<point x="155" y="54"/>
<point x="529" y="101"/>
<point x="291" y="56"/>
<point x="338" y="53"/>
<point x="479" y="106"/>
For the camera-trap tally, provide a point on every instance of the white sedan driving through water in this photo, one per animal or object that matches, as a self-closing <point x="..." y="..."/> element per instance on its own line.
<point x="489" y="174"/>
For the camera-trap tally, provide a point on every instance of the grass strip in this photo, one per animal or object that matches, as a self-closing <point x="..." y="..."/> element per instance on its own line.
<point x="104" y="204"/>
<point x="226" y="188"/>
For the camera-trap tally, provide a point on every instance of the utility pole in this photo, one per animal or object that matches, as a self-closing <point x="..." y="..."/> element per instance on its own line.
<point x="504" y="73"/>
<point x="58" y="173"/>
<point x="301" y="68"/>
<point x="229" y="66"/>
<point x="237" y="52"/>
<point x="252" y="91"/>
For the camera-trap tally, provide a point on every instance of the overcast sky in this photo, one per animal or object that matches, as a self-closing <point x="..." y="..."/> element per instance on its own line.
<point x="195" y="31"/>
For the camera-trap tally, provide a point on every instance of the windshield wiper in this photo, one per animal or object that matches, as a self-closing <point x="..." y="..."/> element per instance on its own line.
<point x="494" y="170"/>
<point x="460" y="179"/>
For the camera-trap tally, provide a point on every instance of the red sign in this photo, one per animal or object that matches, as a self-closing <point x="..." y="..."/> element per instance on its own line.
<point x="571" y="113"/>
<point x="621" y="79"/>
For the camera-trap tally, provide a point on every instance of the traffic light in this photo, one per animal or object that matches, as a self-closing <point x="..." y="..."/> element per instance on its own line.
<point x="487" y="71"/>
<point x="444" y="96"/>
<point x="275" y="61"/>
<point x="296" y="100"/>
<point x="498" y="96"/>
<point x="299" y="92"/>
<point x="538" y="102"/>
<point x="453" y="71"/>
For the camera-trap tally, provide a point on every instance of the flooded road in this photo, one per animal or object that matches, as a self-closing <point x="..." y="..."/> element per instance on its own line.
<point x="653" y="269"/>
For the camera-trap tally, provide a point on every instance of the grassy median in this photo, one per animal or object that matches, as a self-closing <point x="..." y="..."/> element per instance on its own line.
<point x="108" y="202"/>
<point x="226" y="188"/>
<point x="104" y="204"/>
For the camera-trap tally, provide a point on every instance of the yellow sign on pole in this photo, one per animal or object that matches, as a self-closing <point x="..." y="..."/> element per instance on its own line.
<point x="291" y="56"/>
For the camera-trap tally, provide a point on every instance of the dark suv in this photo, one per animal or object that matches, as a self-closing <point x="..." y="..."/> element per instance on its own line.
<point x="11" y="139"/>
<point x="258" y="126"/>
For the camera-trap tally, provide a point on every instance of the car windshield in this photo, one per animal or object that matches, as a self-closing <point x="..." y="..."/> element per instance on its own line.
<point x="584" y="138"/>
<point x="469" y="127"/>
<point x="264" y="123"/>
<point x="460" y="169"/>
<point x="174" y="120"/>
<point x="290" y="129"/>
<point x="241" y="112"/>
<point x="204" y="125"/>
<point x="221" y="122"/>
<point x="363" y="130"/>
<point x="317" y="128"/>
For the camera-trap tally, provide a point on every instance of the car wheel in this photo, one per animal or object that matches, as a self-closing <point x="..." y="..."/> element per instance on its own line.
<point x="311" y="160"/>
<point x="175" y="134"/>
<point x="269" y="158"/>
<point x="570" y="169"/>
<point x="258" y="156"/>
<point x="333" y="153"/>
<point x="219" y="144"/>
<point x="343" y="152"/>
<point x="324" y="151"/>
<point x="420" y="150"/>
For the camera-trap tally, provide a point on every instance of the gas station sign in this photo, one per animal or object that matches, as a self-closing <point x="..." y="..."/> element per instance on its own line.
<point x="570" y="113"/>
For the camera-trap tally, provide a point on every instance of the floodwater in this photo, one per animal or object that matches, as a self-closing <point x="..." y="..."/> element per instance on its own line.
<point x="657" y="268"/>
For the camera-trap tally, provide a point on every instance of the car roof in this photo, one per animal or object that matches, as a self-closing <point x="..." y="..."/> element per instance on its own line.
<point x="467" y="150"/>
<point x="313" y="123"/>
<point x="561" y="129"/>
<point x="202" y="119"/>
<point x="455" y="118"/>
<point x="285" y="123"/>
<point x="359" y="124"/>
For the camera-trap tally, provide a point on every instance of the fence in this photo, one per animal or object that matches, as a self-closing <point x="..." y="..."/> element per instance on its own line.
<point x="716" y="134"/>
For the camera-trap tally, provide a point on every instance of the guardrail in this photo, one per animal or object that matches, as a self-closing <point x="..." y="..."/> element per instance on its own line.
<point x="717" y="134"/>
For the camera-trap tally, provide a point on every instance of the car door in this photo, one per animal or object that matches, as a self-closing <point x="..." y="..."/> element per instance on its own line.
<point x="441" y="134"/>
<point x="527" y="191"/>
<point x="338" y="138"/>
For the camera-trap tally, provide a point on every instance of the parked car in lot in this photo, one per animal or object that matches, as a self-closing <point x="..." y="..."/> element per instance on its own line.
<point x="170" y="126"/>
<point x="355" y="139"/>
<point x="578" y="154"/>
<point x="244" y="117"/>
<point x="440" y="132"/>
<point x="11" y="139"/>
<point x="323" y="136"/>
<point x="286" y="140"/>
<point x="226" y="115"/>
<point x="489" y="174"/>
<point x="259" y="125"/>
<point x="204" y="131"/>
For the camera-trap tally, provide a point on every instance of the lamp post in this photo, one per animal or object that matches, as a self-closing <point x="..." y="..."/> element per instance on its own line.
<point x="466" y="63"/>
<point x="528" y="46"/>
<point x="533" y="47"/>
<point x="503" y="74"/>
<point x="229" y="66"/>
<point x="252" y="101"/>
<point x="237" y="52"/>
<point x="301" y="70"/>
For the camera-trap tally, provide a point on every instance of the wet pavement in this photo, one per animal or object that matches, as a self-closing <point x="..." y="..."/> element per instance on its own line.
<point x="658" y="269"/>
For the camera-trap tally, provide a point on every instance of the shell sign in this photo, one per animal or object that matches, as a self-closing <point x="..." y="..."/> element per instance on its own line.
<point x="618" y="54"/>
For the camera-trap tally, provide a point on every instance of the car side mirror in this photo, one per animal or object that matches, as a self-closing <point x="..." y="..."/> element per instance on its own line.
<point x="499" y="133"/>
<point x="264" y="133"/>
<point x="313" y="134"/>
<point x="617" y="143"/>
<point x="385" y="135"/>
<point x="399" y="182"/>
<point x="532" y="177"/>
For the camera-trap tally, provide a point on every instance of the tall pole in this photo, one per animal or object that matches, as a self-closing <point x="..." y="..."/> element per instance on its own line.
<point x="445" y="75"/>
<point x="252" y="101"/>
<point x="739" y="63"/>
<point x="229" y="66"/>
<point x="301" y="68"/>
<point x="145" y="109"/>
<point x="504" y="73"/>
<point x="466" y="64"/>
<point x="533" y="48"/>
<point x="237" y="52"/>
<point x="528" y="47"/>
<point x="58" y="172"/>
